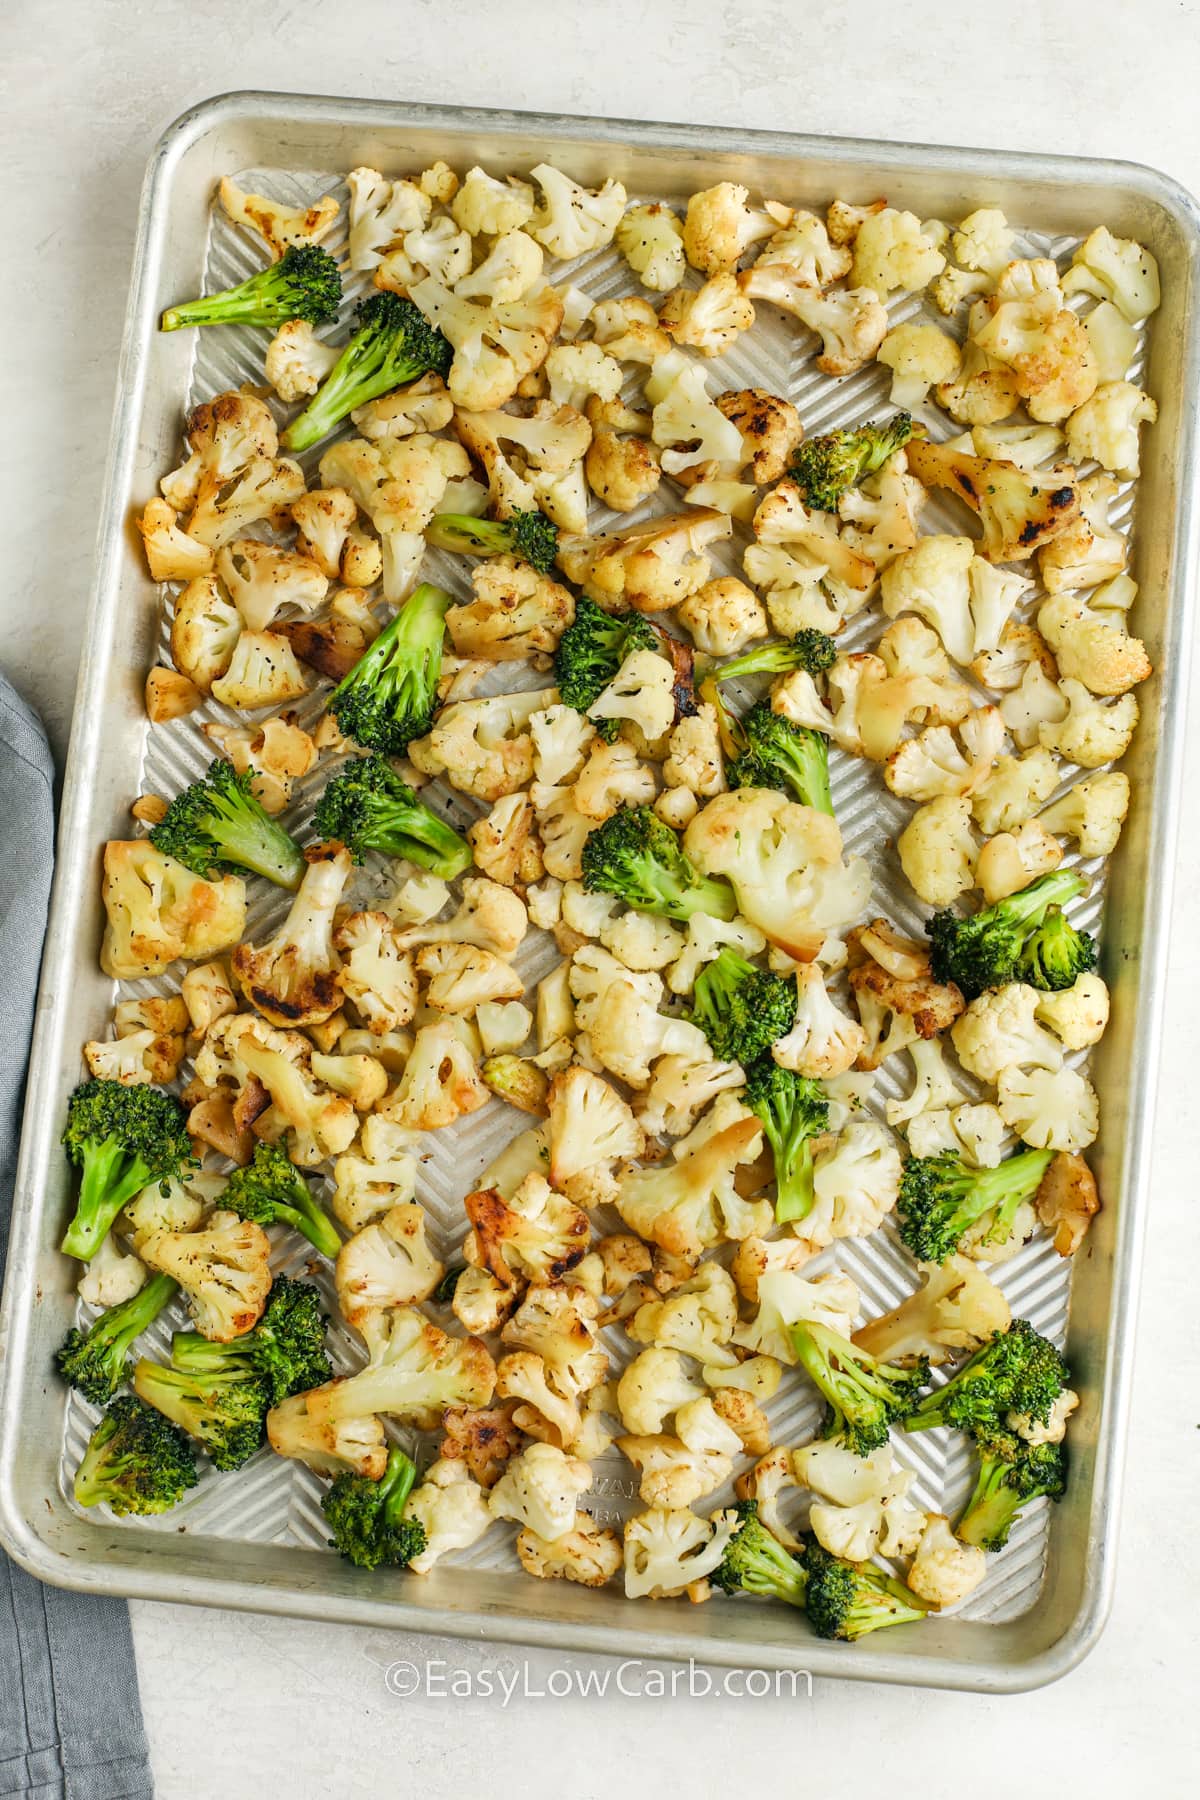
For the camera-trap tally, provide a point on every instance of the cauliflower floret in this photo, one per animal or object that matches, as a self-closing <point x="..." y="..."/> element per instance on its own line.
<point x="205" y="629"/>
<point x="223" y="1269"/>
<point x="262" y="671"/>
<point x="572" y="220"/>
<point x="1045" y="345"/>
<point x="156" y="910"/>
<point x="920" y="356"/>
<point x="934" y="763"/>
<point x="642" y="692"/>
<point x="376" y="976"/>
<point x="956" y="1308"/>
<point x="587" y="1554"/>
<point x="111" y="1276"/>
<point x="536" y="1235"/>
<point x="381" y="213"/>
<point x="1051" y="1109"/>
<point x="765" y="1483"/>
<point x="892" y="252"/>
<point x="422" y="406"/>
<point x="292" y="979"/>
<point x="483" y="747"/>
<point x="983" y="240"/>
<point x="687" y="424"/>
<point x="1078" y="1015"/>
<point x="297" y="361"/>
<point x="488" y="207"/>
<point x="787" y="1298"/>
<point x="440" y="1082"/>
<point x="1105" y="427"/>
<point x="388" y="1263"/>
<point x="1067" y="1201"/>
<point x="817" y="549"/>
<point x="862" y="1506"/>
<point x="612" y="777"/>
<point x="1019" y="511"/>
<point x="628" y="1034"/>
<point x="277" y="225"/>
<point x="1113" y="340"/>
<point x="822" y="1040"/>
<point x="937" y="850"/>
<point x="539" y="1490"/>
<point x="452" y="1508"/>
<point x="413" y="1371"/>
<point x="851" y="323"/>
<point x="384" y="1176"/>
<point x="510" y="269"/>
<point x="673" y="1474"/>
<point x="680" y="1088"/>
<point x="1012" y="860"/>
<point x="1013" y="792"/>
<point x="706" y="938"/>
<point x="694" y="759"/>
<point x="357" y="1445"/>
<point x="1092" y="812"/>
<point x="671" y="1553"/>
<point x="803" y="246"/>
<point x="1092" y="732"/>
<point x="723" y="616"/>
<point x="652" y="1389"/>
<point x="934" y="1085"/>
<point x="1104" y="657"/>
<point x="692" y="1203"/>
<point x="1091" y="550"/>
<point x="856" y="1179"/>
<point x="999" y="1031"/>
<point x="171" y="555"/>
<point x="516" y="611"/>
<point x="1116" y="269"/>
<point x="629" y="330"/>
<point x="495" y="346"/>
<point x="621" y="470"/>
<point x="945" y="1571"/>
<point x="649" y="566"/>
<point x="976" y="1133"/>
<point x="770" y="428"/>
<point x="650" y="238"/>
<point x="460" y="976"/>
<point x="589" y="1125"/>
<point x="709" y="318"/>
<point x="720" y="227"/>
<point x="1034" y="701"/>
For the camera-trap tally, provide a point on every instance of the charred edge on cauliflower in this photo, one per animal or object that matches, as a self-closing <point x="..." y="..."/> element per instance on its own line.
<point x="639" y="859"/>
<point x="94" y="1360"/>
<point x="824" y="467"/>
<point x="304" y="284"/>
<point x="529" y="535"/>
<point x="270" y="1190"/>
<point x="368" y="807"/>
<point x="123" y="1139"/>
<point x="390" y="695"/>
<point x="136" y="1461"/>
<point x="1017" y="1370"/>
<point x="793" y="1110"/>
<point x="367" y="1517"/>
<point x="864" y="1395"/>
<point x="286" y="1349"/>
<point x="217" y="826"/>
<point x="774" y="753"/>
<point x="941" y="1198"/>
<point x="742" y="1009"/>
<point x="393" y="344"/>
<point x="847" y="1600"/>
<point x="1022" y="938"/>
<point x="590" y="652"/>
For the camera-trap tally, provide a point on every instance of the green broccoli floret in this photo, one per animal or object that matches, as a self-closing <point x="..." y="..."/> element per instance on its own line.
<point x="755" y="1562"/>
<point x="847" y="1600"/>
<point x="639" y="859"/>
<point x="529" y="535"/>
<point x="809" y="649"/>
<point x="1021" y="938"/>
<point x="824" y="467"/>
<point x="742" y="1009"/>
<point x="217" y="827"/>
<point x="941" y="1198"/>
<point x="367" y="1517"/>
<point x="286" y="1349"/>
<point x="123" y="1139"/>
<point x="392" y="344"/>
<point x="224" y="1410"/>
<point x="1017" y="1370"/>
<point x="271" y="1190"/>
<point x="1011" y="1474"/>
<point x="778" y="754"/>
<point x="135" y="1462"/>
<point x="590" y="652"/>
<point x="304" y="284"/>
<point x="864" y="1395"/>
<point x="368" y="807"/>
<point x="793" y="1110"/>
<point x="94" y="1360"/>
<point x="390" y="695"/>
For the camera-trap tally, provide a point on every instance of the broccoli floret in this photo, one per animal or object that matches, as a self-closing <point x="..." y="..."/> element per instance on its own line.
<point x="755" y="1562"/>
<point x="1017" y="1370"/>
<point x="847" y="1600"/>
<point x="286" y="1349"/>
<point x="136" y="1461"/>
<point x="590" y="652"/>
<point x="824" y="467"/>
<point x="793" y="1110"/>
<point x="123" y="1139"/>
<point x="777" y="754"/>
<point x="367" y="1517"/>
<point x="639" y="859"/>
<point x="390" y="695"/>
<point x="94" y="1360"/>
<point x="941" y="1198"/>
<point x="271" y="1190"/>
<point x="225" y="1410"/>
<point x="864" y="1395"/>
<point x="217" y="827"/>
<point x="304" y="284"/>
<point x="809" y="649"/>
<point x="742" y="1009"/>
<point x="368" y="807"/>
<point x="443" y="1293"/>
<point x="392" y="344"/>
<point x="1011" y="1473"/>
<point x="529" y="535"/>
<point x="1021" y="938"/>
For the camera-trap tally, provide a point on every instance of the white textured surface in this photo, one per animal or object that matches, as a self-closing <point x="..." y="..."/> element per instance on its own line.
<point x="77" y="126"/>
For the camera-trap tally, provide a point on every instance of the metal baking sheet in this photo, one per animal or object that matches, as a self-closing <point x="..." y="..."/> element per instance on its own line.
<point x="255" y="1540"/>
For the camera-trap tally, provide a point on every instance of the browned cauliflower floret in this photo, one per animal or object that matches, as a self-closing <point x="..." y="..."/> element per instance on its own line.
<point x="292" y="979"/>
<point x="770" y="428"/>
<point x="516" y="611"/>
<point x="223" y="1269"/>
<point x="156" y="911"/>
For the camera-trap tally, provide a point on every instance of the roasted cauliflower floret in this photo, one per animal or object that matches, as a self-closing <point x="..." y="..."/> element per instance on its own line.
<point x="1105" y="428"/>
<point x="157" y="911"/>
<point x="292" y="979"/>
<point x="720" y="227"/>
<point x="224" y="1270"/>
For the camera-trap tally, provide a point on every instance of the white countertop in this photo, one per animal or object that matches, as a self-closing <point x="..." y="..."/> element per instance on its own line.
<point x="234" y="1703"/>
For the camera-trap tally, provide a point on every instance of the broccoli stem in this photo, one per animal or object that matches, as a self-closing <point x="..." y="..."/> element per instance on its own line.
<point x="94" y="1360"/>
<point x="368" y="807"/>
<point x="388" y="697"/>
<point x="109" y="1181"/>
<point x="392" y="345"/>
<point x="303" y="284"/>
<point x="526" y="534"/>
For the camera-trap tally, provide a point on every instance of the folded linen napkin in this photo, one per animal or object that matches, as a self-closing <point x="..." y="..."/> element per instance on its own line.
<point x="70" y="1713"/>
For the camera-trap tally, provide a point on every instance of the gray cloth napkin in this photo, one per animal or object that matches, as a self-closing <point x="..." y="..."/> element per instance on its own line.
<point x="70" y="1713"/>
